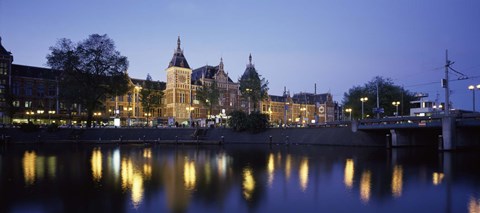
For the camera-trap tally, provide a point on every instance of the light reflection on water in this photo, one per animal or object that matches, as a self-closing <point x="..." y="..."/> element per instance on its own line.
<point x="213" y="179"/>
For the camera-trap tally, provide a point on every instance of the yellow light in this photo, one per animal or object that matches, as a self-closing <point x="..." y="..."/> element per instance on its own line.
<point x="189" y="175"/>
<point x="303" y="174"/>
<point x="248" y="183"/>
<point x="349" y="173"/>
<point x="397" y="181"/>
<point x="437" y="178"/>
<point x="288" y="166"/>
<point x="473" y="205"/>
<point x="28" y="162"/>
<point x="137" y="190"/>
<point x="270" y="168"/>
<point x="96" y="161"/>
<point x="147" y="152"/>
<point x="365" y="184"/>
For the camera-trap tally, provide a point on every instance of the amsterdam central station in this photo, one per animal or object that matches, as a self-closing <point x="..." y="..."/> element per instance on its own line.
<point x="31" y="94"/>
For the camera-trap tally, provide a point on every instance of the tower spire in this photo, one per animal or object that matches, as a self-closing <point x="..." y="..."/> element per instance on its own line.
<point x="178" y="43"/>
<point x="250" y="58"/>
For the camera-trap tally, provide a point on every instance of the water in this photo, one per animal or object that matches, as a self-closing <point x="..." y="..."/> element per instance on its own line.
<point x="235" y="178"/>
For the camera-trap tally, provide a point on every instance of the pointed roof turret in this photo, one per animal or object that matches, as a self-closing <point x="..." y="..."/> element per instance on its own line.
<point x="250" y="71"/>
<point x="3" y="51"/>
<point x="220" y="66"/>
<point x="178" y="59"/>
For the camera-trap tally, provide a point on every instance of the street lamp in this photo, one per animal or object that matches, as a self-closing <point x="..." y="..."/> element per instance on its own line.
<point x="364" y="99"/>
<point x="29" y="113"/>
<point x="50" y="113"/>
<point x="349" y="110"/>
<point x="472" y="87"/>
<point x="147" y="115"/>
<point x="189" y="110"/>
<point x="305" y="112"/>
<point x="396" y="103"/>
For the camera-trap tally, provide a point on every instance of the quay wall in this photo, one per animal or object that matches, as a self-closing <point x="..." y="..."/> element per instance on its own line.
<point x="342" y="136"/>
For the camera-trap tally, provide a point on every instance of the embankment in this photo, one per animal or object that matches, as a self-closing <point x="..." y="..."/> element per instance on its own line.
<point x="321" y="136"/>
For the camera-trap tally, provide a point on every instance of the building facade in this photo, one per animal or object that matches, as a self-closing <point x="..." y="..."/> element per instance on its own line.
<point x="36" y="97"/>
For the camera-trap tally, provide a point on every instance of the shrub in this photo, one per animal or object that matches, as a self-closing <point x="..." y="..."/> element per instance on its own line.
<point x="52" y="127"/>
<point x="255" y="122"/>
<point x="238" y="120"/>
<point x="29" y="127"/>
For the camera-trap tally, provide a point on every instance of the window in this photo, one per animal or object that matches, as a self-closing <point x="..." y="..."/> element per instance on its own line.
<point x="28" y="104"/>
<point x="16" y="88"/>
<point x="41" y="90"/>
<point x="29" y="89"/>
<point x="16" y="103"/>
<point x="120" y="98"/>
<point x="52" y="91"/>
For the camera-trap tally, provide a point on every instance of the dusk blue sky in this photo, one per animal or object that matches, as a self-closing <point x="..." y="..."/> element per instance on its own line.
<point x="335" y="44"/>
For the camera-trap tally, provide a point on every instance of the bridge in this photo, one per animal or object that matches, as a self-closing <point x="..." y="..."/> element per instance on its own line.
<point x="449" y="132"/>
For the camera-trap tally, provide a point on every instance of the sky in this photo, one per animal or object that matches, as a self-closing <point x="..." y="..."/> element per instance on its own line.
<point x="294" y="44"/>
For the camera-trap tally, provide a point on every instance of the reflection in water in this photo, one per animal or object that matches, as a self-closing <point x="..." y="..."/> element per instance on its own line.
<point x="28" y="162"/>
<point x="52" y="166"/>
<point x="116" y="162"/>
<point x="96" y="162"/>
<point x="365" y="183"/>
<point x="147" y="152"/>
<point x="270" y="168"/>
<point x="397" y="181"/>
<point x="137" y="189"/>
<point x="303" y="173"/>
<point x="189" y="175"/>
<point x="248" y="183"/>
<point x="474" y="205"/>
<point x="222" y="161"/>
<point x="132" y="179"/>
<point x="349" y="173"/>
<point x="437" y="178"/>
<point x="288" y="167"/>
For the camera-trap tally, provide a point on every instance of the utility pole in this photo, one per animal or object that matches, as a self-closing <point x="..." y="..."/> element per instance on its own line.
<point x="285" y="107"/>
<point x="446" y="84"/>
<point x="378" y="103"/>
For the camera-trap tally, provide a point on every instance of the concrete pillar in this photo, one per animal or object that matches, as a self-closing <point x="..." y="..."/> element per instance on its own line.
<point x="354" y="125"/>
<point x="399" y="138"/>
<point x="448" y="132"/>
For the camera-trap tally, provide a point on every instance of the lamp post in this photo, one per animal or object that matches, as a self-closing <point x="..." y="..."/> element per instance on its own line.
<point x="29" y="113"/>
<point x="248" y="92"/>
<point x="349" y="110"/>
<point x="147" y="115"/>
<point x="363" y="100"/>
<point x="396" y="103"/>
<point x="40" y="112"/>
<point x="472" y="87"/>
<point x="50" y="113"/>
<point x="189" y="110"/>
<point x="304" y="109"/>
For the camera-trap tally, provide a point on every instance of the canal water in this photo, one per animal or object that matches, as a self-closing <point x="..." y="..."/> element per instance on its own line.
<point x="236" y="178"/>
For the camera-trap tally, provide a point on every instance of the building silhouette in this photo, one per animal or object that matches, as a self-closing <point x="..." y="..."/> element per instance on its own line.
<point x="33" y="94"/>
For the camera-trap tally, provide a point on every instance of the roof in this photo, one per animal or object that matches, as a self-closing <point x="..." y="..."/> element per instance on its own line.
<point x="310" y="98"/>
<point x="250" y="71"/>
<point x="208" y="71"/>
<point x="34" y="72"/>
<point x="277" y="98"/>
<point x="4" y="52"/>
<point x="142" y="82"/>
<point x="178" y="59"/>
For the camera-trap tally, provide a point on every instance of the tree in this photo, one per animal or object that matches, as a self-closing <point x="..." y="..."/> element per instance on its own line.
<point x="388" y="93"/>
<point x="208" y="95"/>
<point x="150" y="95"/>
<point x="252" y="87"/>
<point x="91" y="70"/>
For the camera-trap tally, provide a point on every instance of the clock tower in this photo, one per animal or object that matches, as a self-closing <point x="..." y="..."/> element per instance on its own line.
<point x="178" y="91"/>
